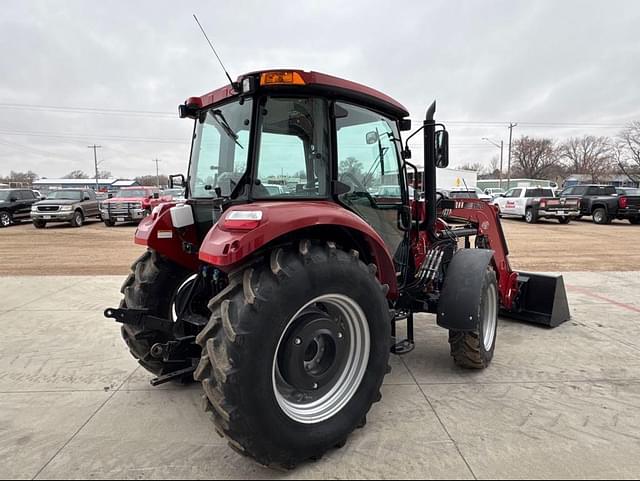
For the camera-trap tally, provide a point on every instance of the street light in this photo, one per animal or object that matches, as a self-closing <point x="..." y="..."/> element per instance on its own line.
<point x="501" y="147"/>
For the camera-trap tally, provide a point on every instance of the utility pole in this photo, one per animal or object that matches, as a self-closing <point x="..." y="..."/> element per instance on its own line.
<point x="511" y="126"/>
<point x="157" y="161"/>
<point x="501" y="147"/>
<point x="95" y="161"/>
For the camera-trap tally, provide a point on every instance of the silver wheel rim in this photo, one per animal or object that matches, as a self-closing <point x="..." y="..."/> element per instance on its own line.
<point x="79" y="219"/>
<point x="490" y="317"/>
<point x="529" y="216"/>
<point x="5" y="220"/>
<point x="349" y="380"/>
<point x="174" y="312"/>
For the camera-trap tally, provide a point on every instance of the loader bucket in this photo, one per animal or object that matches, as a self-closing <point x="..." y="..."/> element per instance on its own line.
<point x="542" y="299"/>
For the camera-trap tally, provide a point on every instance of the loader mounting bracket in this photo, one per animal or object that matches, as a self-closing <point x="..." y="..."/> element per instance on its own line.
<point x="140" y="319"/>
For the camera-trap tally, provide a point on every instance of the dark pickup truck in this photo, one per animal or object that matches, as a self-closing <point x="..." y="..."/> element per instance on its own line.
<point x="15" y="205"/>
<point x="604" y="203"/>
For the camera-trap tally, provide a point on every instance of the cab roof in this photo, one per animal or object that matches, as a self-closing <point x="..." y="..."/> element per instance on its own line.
<point x="310" y="83"/>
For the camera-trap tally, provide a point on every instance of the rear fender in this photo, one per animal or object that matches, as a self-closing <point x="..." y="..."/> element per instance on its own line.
<point x="156" y="232"/>
<point x="462" y="291"/>
<point x="228" y="249"/>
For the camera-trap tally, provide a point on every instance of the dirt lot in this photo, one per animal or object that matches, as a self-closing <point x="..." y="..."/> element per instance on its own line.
<point x="97" y="250"/>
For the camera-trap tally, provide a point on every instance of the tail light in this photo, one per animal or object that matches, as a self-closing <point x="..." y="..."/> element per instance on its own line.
<point x="623" y="202"/>
<point x="242" y="220"/>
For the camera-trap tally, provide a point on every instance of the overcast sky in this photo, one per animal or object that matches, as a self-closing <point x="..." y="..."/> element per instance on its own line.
<point x="533" y="62"/>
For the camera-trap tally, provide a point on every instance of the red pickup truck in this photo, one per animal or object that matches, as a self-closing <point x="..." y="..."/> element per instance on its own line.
<point x="130" y="204"/>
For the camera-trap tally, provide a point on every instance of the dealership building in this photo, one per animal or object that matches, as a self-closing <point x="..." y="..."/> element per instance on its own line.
<point x="103" y="185"/>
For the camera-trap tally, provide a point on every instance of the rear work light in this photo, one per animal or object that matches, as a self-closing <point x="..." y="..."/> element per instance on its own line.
<point x="242" y="220"/>
<point x="281" y="78"/>
<point x="623" y="202"/>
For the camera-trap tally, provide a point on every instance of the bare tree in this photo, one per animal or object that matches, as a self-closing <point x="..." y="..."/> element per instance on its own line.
<point x="76" y="174"/>
<point x="152" y="180"/>
<point x="473" y="166"/>
<point x="628" y="151"/>
<point x="534" y="158"/>
<point x="590" y="155"/>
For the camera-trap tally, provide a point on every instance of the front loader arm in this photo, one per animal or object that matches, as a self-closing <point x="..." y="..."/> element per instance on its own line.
<point x="484" y="218"/>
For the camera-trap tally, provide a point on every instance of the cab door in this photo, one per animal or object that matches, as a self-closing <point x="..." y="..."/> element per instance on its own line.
<point x="369" y="165"/>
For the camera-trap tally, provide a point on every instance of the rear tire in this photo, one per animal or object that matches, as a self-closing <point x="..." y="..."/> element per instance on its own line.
<point x="474" y="349"/>
<point x="78" y="219"/>
<point x="270" y="319"/>
<point x="530" y="216"/>
<point x="6" y="219"/>
<point x="153" y="285"/>
<point x="601" y="217"/>
<point x="39" y="224"/>
<point x="635" y="220"/>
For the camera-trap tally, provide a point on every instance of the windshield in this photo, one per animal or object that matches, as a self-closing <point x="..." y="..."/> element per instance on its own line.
<point x="220" y="149"/>
<point x="4" y="194"/>
<point x="65" y="195"/>
<point x="122" y="194"/>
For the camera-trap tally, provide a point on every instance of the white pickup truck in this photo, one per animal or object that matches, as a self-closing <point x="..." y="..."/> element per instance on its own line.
<point x="533" y="203"/>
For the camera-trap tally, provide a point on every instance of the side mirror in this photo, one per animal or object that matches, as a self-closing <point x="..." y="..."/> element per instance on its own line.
<point x="372" y="137"/>
<point x="442" y="149"/>
<point x="13" y="199"/>
<point x="176" y="181"/>
<point x="109" y="195"/>
<point x="156" y="195"/>
<point x="86" y="197"/>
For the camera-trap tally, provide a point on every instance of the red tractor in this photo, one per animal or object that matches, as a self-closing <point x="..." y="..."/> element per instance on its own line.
<point x="284" y="302"/>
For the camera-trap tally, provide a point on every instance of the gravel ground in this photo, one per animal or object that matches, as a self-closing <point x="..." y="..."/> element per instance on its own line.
<point x="97" y="250"/>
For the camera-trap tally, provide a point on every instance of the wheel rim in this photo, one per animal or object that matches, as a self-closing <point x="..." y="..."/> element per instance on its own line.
<point x="321" y="359"/>
<point x="5" y="220"/>
<point x="529" y="216"/>
<point x="79" y="219"/>
<point x="490" y="317"/>
<point x="598" y="217"/>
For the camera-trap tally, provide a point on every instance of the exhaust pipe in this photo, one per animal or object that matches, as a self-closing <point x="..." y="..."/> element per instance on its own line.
<point x="541" y="299"/>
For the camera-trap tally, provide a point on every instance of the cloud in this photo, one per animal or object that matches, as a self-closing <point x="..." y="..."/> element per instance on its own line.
<point x="543" y="61"/>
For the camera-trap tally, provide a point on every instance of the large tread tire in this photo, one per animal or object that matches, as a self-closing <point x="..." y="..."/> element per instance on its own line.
<point x="151" y="285"/>
<point x="468" y="347"/>
<point x="634" y="220"/>
<point x="240" y="343"/>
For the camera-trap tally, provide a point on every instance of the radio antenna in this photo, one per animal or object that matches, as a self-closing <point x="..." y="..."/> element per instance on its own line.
<point x="214" y="52"/>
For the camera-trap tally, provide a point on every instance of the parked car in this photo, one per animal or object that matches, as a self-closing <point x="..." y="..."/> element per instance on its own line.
<point x="175" y="194"/>
<point x="627" y="191"/>
<point x="74" y="206"/>
<point x="15" y="205"/>
<point x="533" y="203"/>
<point x="604" y="203"/>
<point x="275" y="189"/>
<point x="131" y="204"/>
<point x="494" y="192"/>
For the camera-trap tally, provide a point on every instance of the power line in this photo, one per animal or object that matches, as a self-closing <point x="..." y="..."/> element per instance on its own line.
<point x="89" y="110"/>
<point x="69" y="135"/>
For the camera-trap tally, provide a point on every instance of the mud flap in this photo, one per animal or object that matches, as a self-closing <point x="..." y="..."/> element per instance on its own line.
<point x="542" y="299"/>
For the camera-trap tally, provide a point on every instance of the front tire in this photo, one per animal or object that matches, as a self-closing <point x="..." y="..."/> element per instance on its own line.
<point x="530" y="216"/>
<point x="635" y="220"/>
<point x="5" y="219"/>
<point x="295" y="353"/>
<point x="39" y="224"/>
<point x="474" y="349"/>
<point x="564" y="220"/>
<point x="154" y="284"/>
<point x="601" y="217"/>
<point x="78" y="219"/>
<point x="110" y="223"/>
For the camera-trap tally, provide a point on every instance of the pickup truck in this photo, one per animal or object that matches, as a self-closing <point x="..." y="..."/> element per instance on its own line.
<point x="604" y="203"/>
<point x="74" y="206"/>
<point x="15" y="205"/>
<point x="533" y="203"/>
<point x="131" y="204"/>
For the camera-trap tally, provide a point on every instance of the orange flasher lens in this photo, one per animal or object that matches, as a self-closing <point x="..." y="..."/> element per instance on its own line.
<point x="281" y="78"/>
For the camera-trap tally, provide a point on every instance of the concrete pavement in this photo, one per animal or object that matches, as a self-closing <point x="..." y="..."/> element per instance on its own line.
<point x="561" y="403"/>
